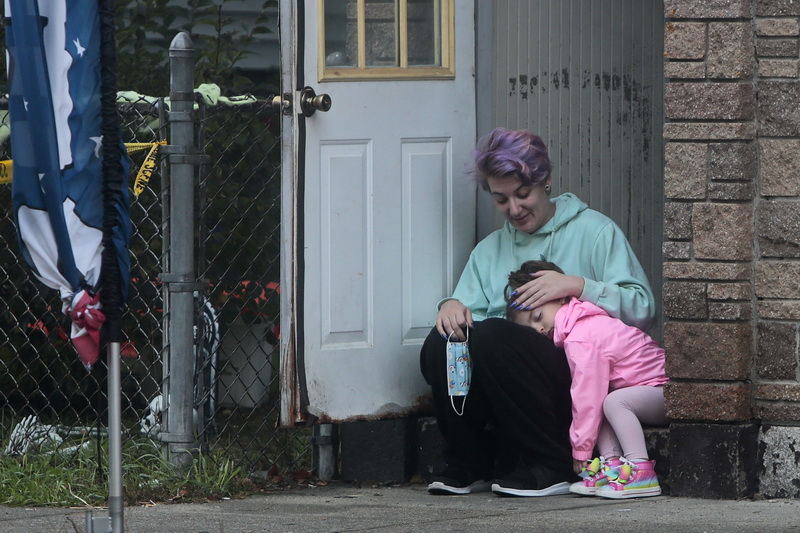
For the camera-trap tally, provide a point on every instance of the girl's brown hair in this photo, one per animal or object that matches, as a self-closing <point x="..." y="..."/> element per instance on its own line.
<point x="520" y="277"/>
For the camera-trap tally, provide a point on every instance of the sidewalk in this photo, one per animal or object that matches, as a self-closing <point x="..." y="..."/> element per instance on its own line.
<point x="409" y="508"/>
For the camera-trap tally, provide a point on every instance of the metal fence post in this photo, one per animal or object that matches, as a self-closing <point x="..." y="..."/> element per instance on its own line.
<point x="325" y="441"/>
<point x="180" y="279"/>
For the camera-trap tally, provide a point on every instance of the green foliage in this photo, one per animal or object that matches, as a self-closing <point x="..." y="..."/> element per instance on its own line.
<point x="212" y="475"/>
<point x="145" y="29"/>
<point x="75" y="479"/>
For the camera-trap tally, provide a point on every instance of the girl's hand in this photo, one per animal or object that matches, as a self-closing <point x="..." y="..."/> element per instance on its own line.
<point x="546" y="286"/>
<point x="578" y="466"/>
<point x="453" y="318"/>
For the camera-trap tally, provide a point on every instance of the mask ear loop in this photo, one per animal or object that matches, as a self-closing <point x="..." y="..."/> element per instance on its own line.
<point x="464" y="401"/>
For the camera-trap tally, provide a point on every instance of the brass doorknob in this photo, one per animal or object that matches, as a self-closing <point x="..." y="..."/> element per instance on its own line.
<point x="311" y="102"/>
<point x="282" y="104"/>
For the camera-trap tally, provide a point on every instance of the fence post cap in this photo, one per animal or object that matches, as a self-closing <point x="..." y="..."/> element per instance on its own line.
<point x="182" y="41"/>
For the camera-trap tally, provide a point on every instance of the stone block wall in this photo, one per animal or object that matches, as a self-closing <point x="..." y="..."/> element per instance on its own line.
<point x="732" y="235"/>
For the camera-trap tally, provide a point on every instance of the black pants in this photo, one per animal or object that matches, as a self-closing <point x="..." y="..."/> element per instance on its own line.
<point x="518" y="407"/>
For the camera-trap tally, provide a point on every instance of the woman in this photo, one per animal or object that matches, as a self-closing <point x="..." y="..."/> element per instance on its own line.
<point x="513" y="436"/>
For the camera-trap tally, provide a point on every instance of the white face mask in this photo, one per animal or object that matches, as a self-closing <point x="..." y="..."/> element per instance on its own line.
<point x="459" y="371"/>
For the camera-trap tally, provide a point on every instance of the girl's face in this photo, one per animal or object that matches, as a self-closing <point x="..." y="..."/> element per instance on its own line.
<point x="541" y="318"/>
<point x="527" y="207"/>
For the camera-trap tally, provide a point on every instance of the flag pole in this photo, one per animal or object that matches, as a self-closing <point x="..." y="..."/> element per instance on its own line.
<point x="116" y="503"/>
<point x="61" y="195"/>
<point x="112" y="296"/>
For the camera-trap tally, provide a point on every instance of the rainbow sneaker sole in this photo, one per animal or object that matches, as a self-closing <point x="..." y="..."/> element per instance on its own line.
<point x="634" y="480"/>
<point x="598" y="472"/>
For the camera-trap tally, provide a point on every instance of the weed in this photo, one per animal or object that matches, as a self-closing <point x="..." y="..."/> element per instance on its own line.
<point x="78" y="478"/>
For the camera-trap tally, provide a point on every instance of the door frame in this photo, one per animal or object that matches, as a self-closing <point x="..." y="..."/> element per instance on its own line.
<point x="292" y="157"/>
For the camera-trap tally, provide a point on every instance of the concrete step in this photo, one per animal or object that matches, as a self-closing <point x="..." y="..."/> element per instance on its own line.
<point x="410" y="449"/>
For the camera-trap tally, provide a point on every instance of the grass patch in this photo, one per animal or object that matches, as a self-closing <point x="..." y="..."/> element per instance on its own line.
<point x="77" y="479"/>
<point x="249" y="455"/>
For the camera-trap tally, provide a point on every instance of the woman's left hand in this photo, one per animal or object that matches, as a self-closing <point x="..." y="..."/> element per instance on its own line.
<point x="546" y="286"/>
<point x="578" y="466"/>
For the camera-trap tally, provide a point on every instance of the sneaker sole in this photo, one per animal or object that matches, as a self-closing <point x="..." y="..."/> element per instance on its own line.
<point x="625" y="494"/>
<point x="583" y="491"/>
<point x="440" y="489"/>
<point x="554" y="490"/>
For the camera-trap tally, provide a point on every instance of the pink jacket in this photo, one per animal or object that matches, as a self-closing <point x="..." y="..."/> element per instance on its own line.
<point x="604" y="354"/>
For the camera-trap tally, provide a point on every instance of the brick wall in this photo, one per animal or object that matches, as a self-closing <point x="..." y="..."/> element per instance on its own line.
<point x="732" y="237"/>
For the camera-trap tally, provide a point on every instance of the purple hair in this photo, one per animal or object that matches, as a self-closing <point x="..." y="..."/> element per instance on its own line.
<point x="511" y="153"/>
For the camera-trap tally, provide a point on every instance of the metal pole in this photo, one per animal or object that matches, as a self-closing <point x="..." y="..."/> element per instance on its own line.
<point x="116" y="505"/>
<point x="181" y="278"/>
<point x="114" y="183"/>
<point x="325" y="441"/>
<point x="163" y="135"/>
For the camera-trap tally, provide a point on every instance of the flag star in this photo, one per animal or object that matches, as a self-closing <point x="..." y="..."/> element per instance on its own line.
<point x="78" y="46"/>
<point x="97" y="145"/>
<point x="25" y="103"/>
<point x="41" y="177"/>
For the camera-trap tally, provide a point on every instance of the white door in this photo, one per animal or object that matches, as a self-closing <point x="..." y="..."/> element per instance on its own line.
<point x="379" y="214"/>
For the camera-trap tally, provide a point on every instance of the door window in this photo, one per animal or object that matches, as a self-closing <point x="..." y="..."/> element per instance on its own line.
<point x="386" y="39"/>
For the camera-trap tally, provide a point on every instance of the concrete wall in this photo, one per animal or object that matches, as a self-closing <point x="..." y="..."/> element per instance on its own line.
<point x="731" y="245"/>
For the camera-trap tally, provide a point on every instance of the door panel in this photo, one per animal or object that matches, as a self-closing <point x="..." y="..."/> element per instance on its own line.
<point x="385" y="221"/>
<point x="425" y="163"/>
<point x="344" y="301"/>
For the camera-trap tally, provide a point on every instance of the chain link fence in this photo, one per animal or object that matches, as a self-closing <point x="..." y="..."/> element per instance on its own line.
<point x="44" y="389"/>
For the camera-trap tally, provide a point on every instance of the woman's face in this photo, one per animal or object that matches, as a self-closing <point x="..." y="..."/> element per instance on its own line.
<point x="527" y="207"/>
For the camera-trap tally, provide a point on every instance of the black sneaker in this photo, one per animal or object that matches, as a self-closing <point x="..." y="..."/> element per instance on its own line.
<point x="453" y="481"/>
<point x="533" y="480"/>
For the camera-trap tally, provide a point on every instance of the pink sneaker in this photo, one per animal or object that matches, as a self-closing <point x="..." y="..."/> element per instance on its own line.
<point x="598" y="472"/>
<point x="636" y="479"/>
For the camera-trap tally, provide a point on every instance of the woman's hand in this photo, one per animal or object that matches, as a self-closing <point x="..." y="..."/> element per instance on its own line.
<point x="546" y="286"/>
<point x="578" y="466"/>
<point x="453" y="317"/>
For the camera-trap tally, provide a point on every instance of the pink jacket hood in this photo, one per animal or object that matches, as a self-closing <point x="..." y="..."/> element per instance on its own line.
<point x="569" y="315"/>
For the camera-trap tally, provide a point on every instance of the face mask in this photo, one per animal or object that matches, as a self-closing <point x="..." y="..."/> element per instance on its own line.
<point x="459" y="371"/>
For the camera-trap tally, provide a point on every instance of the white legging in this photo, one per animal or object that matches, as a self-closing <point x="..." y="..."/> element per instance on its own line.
<point x="625" y="411"/>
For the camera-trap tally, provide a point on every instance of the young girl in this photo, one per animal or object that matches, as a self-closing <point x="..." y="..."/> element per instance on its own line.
<point x="617" y="371"/>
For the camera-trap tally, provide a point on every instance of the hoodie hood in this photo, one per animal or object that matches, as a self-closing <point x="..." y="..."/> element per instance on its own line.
<point x="570" y="314"/>
<point x="567" y="207"/>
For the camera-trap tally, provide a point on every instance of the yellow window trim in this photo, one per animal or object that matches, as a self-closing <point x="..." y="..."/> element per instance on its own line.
<point x="444" y="28"/>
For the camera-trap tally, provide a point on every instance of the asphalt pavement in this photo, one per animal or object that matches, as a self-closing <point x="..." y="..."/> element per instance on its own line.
<point x="409" y="508"/>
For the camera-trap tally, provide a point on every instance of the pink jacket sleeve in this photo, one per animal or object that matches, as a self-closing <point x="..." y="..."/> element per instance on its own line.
<point x="590" y="378"/>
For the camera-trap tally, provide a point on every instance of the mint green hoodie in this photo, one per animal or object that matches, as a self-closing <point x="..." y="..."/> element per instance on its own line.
<point x="583" y="243"/>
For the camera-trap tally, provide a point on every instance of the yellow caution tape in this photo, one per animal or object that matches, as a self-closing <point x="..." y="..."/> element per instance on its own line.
<point x="6" y="171"/>
<point x="149" y="164"/>
<point x="142" y="175"/>
<point x="138" y="147"/>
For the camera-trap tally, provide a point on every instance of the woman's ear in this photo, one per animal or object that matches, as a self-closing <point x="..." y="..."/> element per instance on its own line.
<point x="548" y="185"/>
